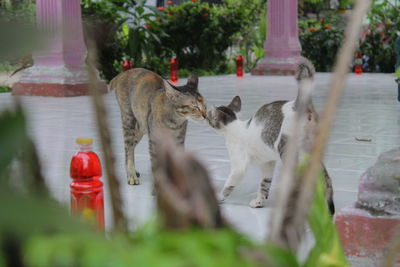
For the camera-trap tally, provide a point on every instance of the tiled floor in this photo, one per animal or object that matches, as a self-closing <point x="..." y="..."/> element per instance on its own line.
<point x="369" y="109"/>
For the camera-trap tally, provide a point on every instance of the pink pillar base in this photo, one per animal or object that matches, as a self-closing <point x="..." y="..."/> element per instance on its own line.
<point x="57" y="81"/>
<point x="282" y="46"/>
<point x="59" y="67"/>
<point x="277" y="66"/>
<point x="365" y="237"/>
<point x="55" y="89"/>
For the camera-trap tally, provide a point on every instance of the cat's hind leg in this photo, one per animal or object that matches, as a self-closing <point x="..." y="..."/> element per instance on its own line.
<point x="263" y="191"/>
<point x="132" y="136"/>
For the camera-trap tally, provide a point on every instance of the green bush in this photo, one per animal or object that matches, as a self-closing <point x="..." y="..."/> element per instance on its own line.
<point x="5" y="89"/>
<point x="320" y="42"/>
<point x="312" y="7"/>
<point x="378" y="40"/>
<point x="102" y="24"/>
<point x="198" y="34"/>
<point x="250" y="39"/>
<point x="397" y="73"/>
<point x="141" y="41"/>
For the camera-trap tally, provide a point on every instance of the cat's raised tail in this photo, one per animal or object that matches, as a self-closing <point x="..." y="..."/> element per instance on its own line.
<point x="305" y="80"/>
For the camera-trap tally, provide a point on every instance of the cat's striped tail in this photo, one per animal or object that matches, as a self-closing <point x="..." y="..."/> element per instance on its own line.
<point x="305" y="80"/>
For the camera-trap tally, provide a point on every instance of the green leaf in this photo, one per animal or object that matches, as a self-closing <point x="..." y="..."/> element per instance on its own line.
<point x="139" y="10"/>
<point x="281" y="257"/>
<point x="397" y="73"/>
<point x="125" y="29"/>
<point x="327" y="250"/>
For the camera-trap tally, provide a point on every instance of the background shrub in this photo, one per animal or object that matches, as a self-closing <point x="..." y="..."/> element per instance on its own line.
<point x="378" y="40"/>
<point x="249" y="41"/>
<point x="320" y="41"/>
<point x="103" y="24"/>
<point x="197" y="34"/>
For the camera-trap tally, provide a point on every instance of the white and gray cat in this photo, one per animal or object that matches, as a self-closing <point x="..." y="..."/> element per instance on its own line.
<point x="261" y="140"/>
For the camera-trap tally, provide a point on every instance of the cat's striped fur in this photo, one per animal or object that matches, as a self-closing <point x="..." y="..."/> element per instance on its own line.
<point x="149" y="104"/>
<point x="262" y="139"/>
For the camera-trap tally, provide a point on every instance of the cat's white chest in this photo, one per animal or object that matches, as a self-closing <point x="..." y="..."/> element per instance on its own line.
<point x="245" y="144"/>
<point x="259" y="152"/>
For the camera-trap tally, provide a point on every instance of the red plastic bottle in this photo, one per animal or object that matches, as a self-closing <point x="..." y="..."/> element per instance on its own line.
<point x="87" y="200"/>
<point x="358" y="64"/>
<point x="173" y="69"/>
<point x="239" y="66"/>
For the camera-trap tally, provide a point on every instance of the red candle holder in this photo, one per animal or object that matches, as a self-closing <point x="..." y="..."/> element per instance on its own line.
<point x="173" y="70"/>
<point x="87" y="199"/>
<point x="239" y="66"/>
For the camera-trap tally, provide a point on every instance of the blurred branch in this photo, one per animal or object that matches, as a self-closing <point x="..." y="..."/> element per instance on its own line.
<point x="17" y="147"/>
<point x="31" y="170"/>
<point x="119" y="219"/>
<point x="341" y="69"/>
<point x="185" y="196"/>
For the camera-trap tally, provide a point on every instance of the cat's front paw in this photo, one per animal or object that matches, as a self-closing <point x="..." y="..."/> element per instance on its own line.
<point x="133" y="181"/>
<point x="257" y="203"/>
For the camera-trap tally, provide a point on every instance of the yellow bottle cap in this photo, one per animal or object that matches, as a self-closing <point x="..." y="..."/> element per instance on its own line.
<point x="84" y="141"/>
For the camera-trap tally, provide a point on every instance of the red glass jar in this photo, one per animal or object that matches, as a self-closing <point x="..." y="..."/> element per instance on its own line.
<point x="87" y="199"/>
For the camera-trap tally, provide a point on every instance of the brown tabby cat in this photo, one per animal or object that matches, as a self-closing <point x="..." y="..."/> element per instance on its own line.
<point x="149" y="104"/>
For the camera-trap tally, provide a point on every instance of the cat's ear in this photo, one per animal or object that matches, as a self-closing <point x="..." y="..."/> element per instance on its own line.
<point x="236" y="104"/>
<point x="171" y="91"/>
<point x="193" y="81"/>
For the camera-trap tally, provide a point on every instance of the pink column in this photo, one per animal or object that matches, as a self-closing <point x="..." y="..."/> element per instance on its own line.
<point x="59" y="68"/>
<point x="282" y="47"/>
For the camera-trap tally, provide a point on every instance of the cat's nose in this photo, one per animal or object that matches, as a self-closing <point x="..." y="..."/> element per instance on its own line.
<point x="203" y="112"/>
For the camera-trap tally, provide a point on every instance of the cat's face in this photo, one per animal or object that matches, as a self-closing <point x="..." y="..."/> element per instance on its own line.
<point x="222" y="116"/>
<point x="187" y="99"/>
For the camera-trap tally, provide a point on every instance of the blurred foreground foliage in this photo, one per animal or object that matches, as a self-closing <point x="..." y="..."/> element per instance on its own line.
<point x="153" y="246"/>
<point x="37" y="231"/>
<point x="379" y="37"/>
<point x="18" y="30"/>
<point x="5" y="89"/>
<point x="327" y="250"/>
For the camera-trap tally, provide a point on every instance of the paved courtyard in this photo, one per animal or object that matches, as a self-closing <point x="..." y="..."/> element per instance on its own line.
<point x="369" y="109"/>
